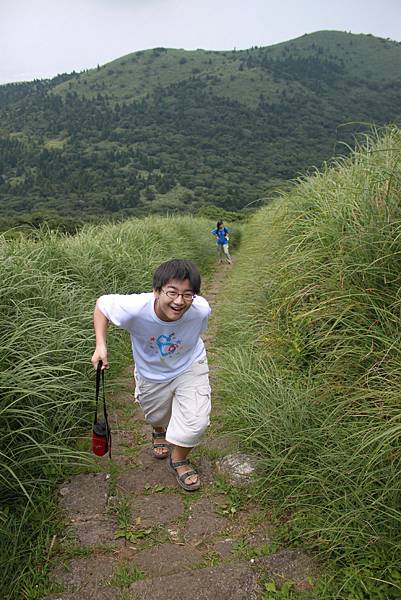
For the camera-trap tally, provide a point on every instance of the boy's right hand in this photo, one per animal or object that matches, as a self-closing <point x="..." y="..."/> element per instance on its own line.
<point x="100" y="353"/>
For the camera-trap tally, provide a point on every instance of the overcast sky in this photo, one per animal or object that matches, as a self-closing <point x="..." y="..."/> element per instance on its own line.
<point x="41" y="38"/>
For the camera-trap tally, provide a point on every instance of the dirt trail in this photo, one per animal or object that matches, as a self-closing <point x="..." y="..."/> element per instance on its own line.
<point x="131" y="533"/>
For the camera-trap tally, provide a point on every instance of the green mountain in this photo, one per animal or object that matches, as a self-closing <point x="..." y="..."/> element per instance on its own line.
<point x="172" y="130"/>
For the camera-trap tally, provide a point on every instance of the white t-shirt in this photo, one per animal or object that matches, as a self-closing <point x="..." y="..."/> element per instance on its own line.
<point x="162" y="349"/>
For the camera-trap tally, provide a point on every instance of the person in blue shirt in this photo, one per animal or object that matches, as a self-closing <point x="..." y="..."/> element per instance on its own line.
<point x="222" y="238"/>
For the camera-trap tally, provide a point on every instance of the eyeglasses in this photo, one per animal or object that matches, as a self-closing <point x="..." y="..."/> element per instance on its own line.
<point x="186" y="296"/>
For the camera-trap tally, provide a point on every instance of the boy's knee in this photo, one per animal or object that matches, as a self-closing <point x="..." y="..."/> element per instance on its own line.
<point x="157" y="417"/>
<point x="197" y="431"/>
<point x="190" y="435"/>
<point x="156" y="422"/>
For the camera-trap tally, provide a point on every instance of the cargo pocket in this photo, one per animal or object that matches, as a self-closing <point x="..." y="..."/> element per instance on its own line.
<point x="203" y="404"/>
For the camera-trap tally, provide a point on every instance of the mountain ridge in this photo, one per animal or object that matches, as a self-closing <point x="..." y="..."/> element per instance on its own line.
<point x="307" y="45"/>
<point x="166" y="130"/>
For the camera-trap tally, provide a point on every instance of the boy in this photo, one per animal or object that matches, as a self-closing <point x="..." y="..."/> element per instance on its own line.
<point x="171" y="369"/>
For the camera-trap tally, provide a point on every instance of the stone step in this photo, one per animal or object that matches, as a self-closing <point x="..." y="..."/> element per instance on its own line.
<point x="236" y="581"/>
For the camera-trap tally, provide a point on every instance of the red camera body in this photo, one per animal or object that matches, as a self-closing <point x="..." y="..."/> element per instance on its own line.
<point x="101" y="438"/>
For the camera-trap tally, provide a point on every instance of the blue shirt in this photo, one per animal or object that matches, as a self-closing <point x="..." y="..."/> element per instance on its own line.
<point x="221" y="235"/>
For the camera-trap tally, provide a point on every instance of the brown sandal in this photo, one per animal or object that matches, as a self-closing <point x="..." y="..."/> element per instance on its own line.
<point x="160" y="434"/>
<point x="173" y="466"/>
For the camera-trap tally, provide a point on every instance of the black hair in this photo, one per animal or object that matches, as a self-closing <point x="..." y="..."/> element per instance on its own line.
<point x="219" y="223"/>
<point x="180" y="269"/>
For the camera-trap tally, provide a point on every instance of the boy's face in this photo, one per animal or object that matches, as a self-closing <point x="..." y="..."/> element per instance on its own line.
<point x="168" y="308"/>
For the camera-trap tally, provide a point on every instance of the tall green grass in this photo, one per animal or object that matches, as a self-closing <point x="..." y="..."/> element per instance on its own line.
<point x="49" y="287"/>
<point x="313" y="369"/>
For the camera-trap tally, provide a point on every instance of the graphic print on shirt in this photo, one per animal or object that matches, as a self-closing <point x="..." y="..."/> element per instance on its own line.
<point x="166" y="344"/>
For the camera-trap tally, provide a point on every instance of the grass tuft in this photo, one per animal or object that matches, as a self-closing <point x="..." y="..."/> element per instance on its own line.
<point x="312" y="371"/>
<point x="49" y="287"/>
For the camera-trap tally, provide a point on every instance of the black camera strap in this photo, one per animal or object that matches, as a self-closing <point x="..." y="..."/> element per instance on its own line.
<point x="100" y="377"/>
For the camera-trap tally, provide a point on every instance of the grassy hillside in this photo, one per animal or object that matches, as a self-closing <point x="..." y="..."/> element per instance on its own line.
<point x="49" y="287"/>
<point x="313" y="384"/>
<point x="362" y="57"/>
<point x="168" y="130"/>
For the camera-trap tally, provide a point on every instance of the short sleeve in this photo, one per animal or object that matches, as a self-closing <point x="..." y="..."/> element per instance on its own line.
<point x="120" y="309"/>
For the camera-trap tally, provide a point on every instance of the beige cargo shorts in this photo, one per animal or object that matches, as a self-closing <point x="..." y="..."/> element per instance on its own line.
<point x="181" y="405"/>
